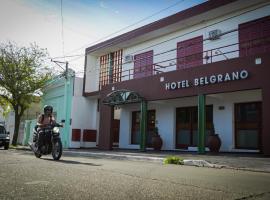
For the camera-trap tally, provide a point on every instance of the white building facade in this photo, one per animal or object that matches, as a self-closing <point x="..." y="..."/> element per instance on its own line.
<point x="215" y="51"/>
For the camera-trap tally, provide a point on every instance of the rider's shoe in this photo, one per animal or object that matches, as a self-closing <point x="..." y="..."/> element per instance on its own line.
<point x="33" y="147"/>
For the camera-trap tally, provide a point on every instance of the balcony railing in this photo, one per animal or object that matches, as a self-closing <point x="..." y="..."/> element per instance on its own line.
<point x="166" y="61"/>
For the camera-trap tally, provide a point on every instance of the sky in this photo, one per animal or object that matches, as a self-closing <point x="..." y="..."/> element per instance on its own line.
<point x="85" y="22"/>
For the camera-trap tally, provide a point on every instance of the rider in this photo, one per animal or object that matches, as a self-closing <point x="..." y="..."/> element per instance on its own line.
<point x="47" y="118"/>
<point x="43" y="121"/>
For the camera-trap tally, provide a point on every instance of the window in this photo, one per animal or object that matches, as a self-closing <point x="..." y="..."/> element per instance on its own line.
<point x="247" y="125"/>
<point x="187" y="125"/>
<point x="143" y="64"/>
<point x="254" y="37"/>
<point x="110" y="68"/>
<point x="2" y="130"/>
<point x="190" y="53"/>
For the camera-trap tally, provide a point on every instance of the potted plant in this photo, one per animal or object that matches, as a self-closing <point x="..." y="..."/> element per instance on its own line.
<point x="213" y="141"/>
<point x="156" y="140"/>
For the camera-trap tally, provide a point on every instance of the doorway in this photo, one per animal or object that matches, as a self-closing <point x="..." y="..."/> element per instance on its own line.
<point x="135" y="130"/>
<point x="187" y="126"/>
<point x="248" y="118"/>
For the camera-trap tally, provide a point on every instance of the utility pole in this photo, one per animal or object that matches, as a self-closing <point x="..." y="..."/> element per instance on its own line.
<point x="67" y="101"/>
<point x="58" y="63"/>
<point x="66" y="75"/>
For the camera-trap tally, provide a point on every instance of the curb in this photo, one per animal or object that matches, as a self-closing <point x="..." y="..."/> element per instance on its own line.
<point x="24" y="148"/>
<point x="187" y="162"/>
<point x="114" y="156"/>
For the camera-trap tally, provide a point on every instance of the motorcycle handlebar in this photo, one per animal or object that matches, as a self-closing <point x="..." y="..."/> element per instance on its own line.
<point x="53" y="125"/>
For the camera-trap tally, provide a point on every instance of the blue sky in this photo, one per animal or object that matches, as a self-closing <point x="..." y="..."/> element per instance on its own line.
<point x="85" y="21"/>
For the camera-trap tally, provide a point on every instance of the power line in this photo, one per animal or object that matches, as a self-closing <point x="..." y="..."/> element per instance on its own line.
<point x="228" y="38"/>
<point x="111" y="34"/>
<point x="185" y="33"/>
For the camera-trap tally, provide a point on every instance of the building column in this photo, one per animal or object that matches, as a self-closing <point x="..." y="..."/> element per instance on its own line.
<point x="201" y="123"/>
<point x="265" y="121"/>
<point x="105" y="127"/>
<point x="143" y="124"/>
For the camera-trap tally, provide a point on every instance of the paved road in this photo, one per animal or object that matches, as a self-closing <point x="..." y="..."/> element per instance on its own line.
<point x="22" y="176"/>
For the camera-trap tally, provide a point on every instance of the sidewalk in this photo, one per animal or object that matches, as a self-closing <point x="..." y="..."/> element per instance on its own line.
<point x="250" y="162"/>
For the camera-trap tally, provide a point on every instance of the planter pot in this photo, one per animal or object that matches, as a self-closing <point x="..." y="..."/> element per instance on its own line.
<point x="214" y="143"/>
<point x="157" y="142"/>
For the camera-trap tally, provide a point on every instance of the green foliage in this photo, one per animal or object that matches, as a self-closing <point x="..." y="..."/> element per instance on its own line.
<point x="22" y="74"/>
<point x="173" y="160"/>
<point x="5" y="106"/>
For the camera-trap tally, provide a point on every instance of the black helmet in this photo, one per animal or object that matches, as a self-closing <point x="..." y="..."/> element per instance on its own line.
<point x="47" y="108"/>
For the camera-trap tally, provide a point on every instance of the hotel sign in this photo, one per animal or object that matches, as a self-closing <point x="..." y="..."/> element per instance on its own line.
<point x="208" y="80"/>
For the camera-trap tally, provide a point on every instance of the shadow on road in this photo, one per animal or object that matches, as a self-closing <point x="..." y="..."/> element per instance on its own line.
<point x="71" y="162"/>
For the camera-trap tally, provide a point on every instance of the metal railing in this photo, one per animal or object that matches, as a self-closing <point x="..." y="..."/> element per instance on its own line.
<point x="169" y="63"/>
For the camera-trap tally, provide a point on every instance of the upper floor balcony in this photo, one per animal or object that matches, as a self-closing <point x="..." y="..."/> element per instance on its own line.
<point x="188" y="54"/>
<point x="187" y="48"/>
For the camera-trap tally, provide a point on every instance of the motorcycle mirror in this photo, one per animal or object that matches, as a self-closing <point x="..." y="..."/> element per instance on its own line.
<point x="63" y="121"/>
<point x="8" y="133"/>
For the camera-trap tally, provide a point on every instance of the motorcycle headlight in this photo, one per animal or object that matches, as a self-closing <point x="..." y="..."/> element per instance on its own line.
<point x="56" y="130"/>
<point x="7" y="137"/>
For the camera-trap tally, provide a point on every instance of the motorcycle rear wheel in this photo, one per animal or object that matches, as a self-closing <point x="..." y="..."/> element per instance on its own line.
<point x="57" y="150"/>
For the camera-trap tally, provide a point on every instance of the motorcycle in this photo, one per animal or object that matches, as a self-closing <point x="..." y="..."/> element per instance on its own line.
<point x="47" y="141"/>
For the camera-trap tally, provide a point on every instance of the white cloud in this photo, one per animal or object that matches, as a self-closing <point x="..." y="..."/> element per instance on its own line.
<point x="102" y="4"/>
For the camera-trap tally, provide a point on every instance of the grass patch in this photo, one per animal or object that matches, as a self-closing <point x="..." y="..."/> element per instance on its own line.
<point x="173" y="160"/>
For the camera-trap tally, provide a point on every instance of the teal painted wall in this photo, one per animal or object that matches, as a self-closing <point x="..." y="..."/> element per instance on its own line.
<point x="28" y="131"/>
<point x="59" y="93"/>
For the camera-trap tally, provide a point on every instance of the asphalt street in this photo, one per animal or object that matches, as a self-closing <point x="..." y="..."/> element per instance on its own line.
<point x="22" y="176"/>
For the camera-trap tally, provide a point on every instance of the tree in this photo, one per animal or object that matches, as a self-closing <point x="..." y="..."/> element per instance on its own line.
<point x="22" y="74"/>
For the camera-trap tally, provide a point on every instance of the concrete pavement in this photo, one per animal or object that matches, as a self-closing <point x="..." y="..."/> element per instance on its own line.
<point x="23" y="176"/>
<point x="237" y="161"/>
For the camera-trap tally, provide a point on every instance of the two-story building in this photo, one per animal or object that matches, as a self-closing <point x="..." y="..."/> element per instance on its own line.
<point x="205" y="66"/>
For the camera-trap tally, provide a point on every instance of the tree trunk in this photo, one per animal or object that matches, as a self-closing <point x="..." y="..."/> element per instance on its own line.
<point x="17" y="126"/>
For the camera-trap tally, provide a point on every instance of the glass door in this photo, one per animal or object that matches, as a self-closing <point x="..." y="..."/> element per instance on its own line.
<point x="135" y="130"/>
<point x="187" y="126"/>
<point x="248" y="125"/>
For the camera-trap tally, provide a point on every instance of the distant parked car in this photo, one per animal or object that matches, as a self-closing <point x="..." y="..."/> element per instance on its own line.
<point x="4" y="137"/>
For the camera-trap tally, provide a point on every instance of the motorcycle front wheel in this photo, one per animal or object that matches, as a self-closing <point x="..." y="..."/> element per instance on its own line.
<point x="57" y="149"/>
<point x="38" y="155"/>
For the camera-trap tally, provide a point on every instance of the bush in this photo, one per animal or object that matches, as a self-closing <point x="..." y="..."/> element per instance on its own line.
<point x="173" y="160"/>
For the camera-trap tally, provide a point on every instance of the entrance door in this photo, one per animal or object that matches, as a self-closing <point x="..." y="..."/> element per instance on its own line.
<point x="135" y="131"/>
<point x="187" y="126"/>
<point x="115" y="130"/>
<point x="248" y="119"/>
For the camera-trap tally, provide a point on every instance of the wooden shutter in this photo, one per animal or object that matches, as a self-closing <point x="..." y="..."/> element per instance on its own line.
<point x="117" y="66"/>
<point x="104" y="70"/>
<point x="110" y="68"/>
<point x="190" y="53"/>
<point x="143" y="64"/>
<point x="254" y="37"/>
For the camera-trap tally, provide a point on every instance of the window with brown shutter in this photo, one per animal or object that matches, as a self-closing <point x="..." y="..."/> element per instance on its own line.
<point x="110" y="68"/>
<point x="190" y="53"/>
<point x="143" y="64"/>
<point x="254" y="37"/>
